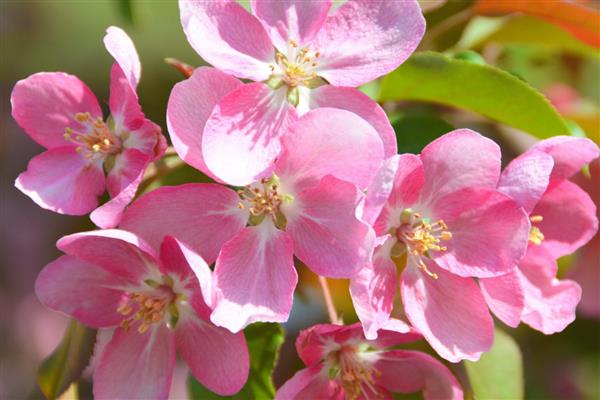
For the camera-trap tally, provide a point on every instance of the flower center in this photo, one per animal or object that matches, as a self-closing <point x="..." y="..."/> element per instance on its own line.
<point x="298" y="66"/>
<point x="535" y="234"/>
<point x="97" y="140"/>
<point x="150" y="306"/>
<point x="418" y="237"/>
<point x="356" y="374"/>
<point x="264" y="199"/>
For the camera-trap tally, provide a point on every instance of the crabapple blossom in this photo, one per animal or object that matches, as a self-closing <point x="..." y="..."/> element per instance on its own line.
<point x="307" y="207"/>
<point x="342" y="364"/>
<point x="300" y="56"/>
<point x="155" y="301"/>
<point x="440" y="215"/>
<point x="86" y="154"/>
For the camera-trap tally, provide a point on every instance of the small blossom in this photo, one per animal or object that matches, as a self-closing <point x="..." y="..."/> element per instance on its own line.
<point x="113" y="279"/>
<point x="86" y="154"/>
<point x="342" y="364"/>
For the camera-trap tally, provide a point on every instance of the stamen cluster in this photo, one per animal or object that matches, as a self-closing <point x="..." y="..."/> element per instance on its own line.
<point x="298" y="66"/>
<point x="98" y="140"/>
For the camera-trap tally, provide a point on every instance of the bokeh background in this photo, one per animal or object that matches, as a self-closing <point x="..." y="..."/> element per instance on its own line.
<point x="67" y="36"/>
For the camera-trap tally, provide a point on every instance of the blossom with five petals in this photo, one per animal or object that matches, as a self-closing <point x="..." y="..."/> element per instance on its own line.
<point x="155" y="300"/>
<point x="292" y="49"/>
<point x="439" y="216"/>
<point x="59" y="112"/>
<point x="342" y="364"/>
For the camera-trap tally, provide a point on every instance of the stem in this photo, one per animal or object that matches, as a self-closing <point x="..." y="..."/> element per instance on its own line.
<point x="333" y="317"/>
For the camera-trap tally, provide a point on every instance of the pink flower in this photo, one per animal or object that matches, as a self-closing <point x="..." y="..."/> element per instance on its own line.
<point x="562" y="220"/>
<point x="112" y="278"/>
<point x="342" y="364"/>
<point x="60" y="112"/>
<point x="307" y="207"/>
<point x="440" y="211"/>
<point x="292" y="49"/>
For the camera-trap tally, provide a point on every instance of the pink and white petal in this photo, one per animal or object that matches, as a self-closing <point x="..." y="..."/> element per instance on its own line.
<point x="190" y="105"/>
<point x="136" y="366"/>
<point x="217" y="358"/>
<point x="526" y="178"/>
<point x="254" y="278"/>
<point x="121" y="48"/>
<point x="364" y="40"/>
<point x="459" y="159"/>
<point x="310" y="343"/>
<point x="330" y="141"/>
<point x="569" y="218"/>
<point x="380" y="189"/>
<point x="119" y="252"/>
<point x="82" y="290"/>
<point x="128" y="165"/>
<point x="286" y="20"/>
<point x="570" y="154"/>
<point x="203" y="216"/>
<point x="405" y="371"/>
<point x="178" y="259"/>
<point x="353" y="100"/>
<point x="549" y="303"/>
<point x="63" y="180"/>
<point x="123" y="103"/>
<point x="457" y="327"/>
<point x="489" y="230"/>
<point x="147" y="138"/>
<point x="504" y="296"/>
<point x="225" y="35"/>
<point x="45" y="104"/>
<point x="242" y="136"/>
<point x="373" y="289"/>
<point x="310" y="383"/>
<point x="328" y="236"/>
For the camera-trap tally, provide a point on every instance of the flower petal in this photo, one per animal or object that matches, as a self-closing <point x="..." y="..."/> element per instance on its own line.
<point x="310" y="383"/>
<point x="353" y="100"/>
<point x="373" y="289"/>
<point x="526" y="178"/>
<point x="62" y="180"/>
<point x="458" y="327"/>
<point x="328" y="236"/>
<point x="123" y="102"/>
<point x="121" y="48"/>
<point x="190" y="105"/>
<point x="217" y="358"/>
<point x="549" y="303"/>
<point x="228" y="37"/>
<point x="254" y="278"/>
<point x="504" y="296"/>
<point x="45" y="104"/>
<point x="570" y="154"/>
<point x="330" y="141"/>
<point x="459" y="159"/>
<point x="569" y="218"/>
<point x="82" y="290"/>
<point x="285" y="20"/>
<point x="489" y="232"/>
<point x="242" y="136"/>
<point x="405" y="371"/>
<point x="203" y="216"/>
<point x="364" y="40"/>
<point x="116" y="251"/>
<point x="380" y="189"/>
<point x="136" y="366"/>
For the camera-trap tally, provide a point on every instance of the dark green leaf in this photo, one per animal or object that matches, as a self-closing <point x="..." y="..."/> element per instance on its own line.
<point x="499" y="373"/>
<point x="264" y="341"/>
<point x="126" y="10"/>
<point x="65" y="365"/>
<point x="413" y="132"/>
<point x="484" y="89"/>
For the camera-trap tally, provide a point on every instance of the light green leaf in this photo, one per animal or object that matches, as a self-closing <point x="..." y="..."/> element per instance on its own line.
<point x="498" y="374"/>
<point x="264" y="341"/>
<point x="496" y="94"/>
<point x="65" y="365"/>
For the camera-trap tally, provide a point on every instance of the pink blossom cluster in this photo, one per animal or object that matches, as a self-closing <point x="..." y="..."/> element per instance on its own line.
<point x="304" y="165"/>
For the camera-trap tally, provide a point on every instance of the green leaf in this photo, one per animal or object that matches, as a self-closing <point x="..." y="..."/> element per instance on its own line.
<point x="499" y="373"/>
<point x="264" y="341"/>
<point x="433" y="77"/>
<point x="414" y="132"/>
<point x="65" y="365"/>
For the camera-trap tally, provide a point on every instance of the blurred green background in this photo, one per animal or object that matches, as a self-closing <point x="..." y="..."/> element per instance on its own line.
<point x="67" y="36"/>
